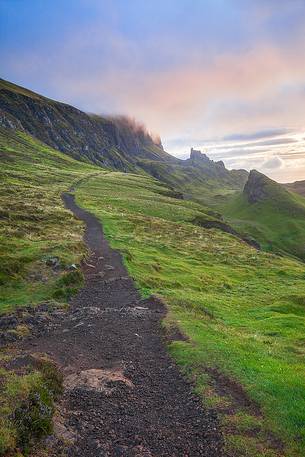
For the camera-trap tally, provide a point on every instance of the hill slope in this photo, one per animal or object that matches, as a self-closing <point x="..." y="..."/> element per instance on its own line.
<point x="271" y="214"/>
<point x="298" y="187"/>
<point x="35" y="228"/>
<point x="111" y="142"/>
<point x="33" y="221"/>
<point x="117" y="143"/>
<point x="241" y="310"/>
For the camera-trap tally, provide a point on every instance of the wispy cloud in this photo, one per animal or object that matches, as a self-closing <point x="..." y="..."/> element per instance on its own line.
<point x="267" y="133"/>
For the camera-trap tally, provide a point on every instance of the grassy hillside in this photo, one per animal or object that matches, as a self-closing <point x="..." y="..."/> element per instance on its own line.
<point x="116" y="143"/>
<point x="241" y="310"/>
<point x="276" y="218"/>
<point x="36" y="231"/>
<point x="112" y="142"/>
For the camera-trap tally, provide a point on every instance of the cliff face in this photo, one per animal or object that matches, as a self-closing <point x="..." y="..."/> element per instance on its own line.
<point x="110" y="142"/>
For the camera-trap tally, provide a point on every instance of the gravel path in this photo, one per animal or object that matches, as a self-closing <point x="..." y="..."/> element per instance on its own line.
<point x="124" y="395"/>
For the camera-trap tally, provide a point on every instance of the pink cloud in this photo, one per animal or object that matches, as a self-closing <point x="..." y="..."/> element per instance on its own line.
<point x="198" y="92"/>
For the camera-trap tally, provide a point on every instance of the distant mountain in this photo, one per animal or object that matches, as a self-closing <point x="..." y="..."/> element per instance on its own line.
<point x="116" y="142"/>
<point x="271" y="214"/>
<point x="298" y="187"/>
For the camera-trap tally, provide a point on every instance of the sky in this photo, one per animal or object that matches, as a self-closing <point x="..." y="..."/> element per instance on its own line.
<point x="223" y="76"/>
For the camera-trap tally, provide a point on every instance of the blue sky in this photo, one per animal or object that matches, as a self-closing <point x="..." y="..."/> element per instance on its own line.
<point x="221" y="75"/>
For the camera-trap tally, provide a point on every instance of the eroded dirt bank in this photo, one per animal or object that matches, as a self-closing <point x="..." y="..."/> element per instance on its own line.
<point x="124" y="396"/>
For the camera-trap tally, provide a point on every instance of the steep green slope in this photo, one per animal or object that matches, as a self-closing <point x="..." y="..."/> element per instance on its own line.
<point x="271" y="214"/>
<point x="116" y="142"/>
<point x="241" y="310"/>
<point x="35" y="228"/>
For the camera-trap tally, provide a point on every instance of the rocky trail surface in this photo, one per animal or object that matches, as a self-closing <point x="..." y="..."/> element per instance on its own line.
<point x="123" y="394"/>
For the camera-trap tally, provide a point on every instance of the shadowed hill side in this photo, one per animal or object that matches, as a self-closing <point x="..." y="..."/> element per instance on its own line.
<point x="259" y="188"/>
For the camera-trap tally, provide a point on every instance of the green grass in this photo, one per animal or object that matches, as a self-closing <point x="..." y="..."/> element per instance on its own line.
<point x="34" y="224"/>
<point x="242" y="310"/>
<point x="27" y="405"/>
<point x="278" y="222"/>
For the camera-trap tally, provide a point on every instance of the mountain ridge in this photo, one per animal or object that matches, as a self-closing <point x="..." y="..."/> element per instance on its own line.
<point x="115" y="142"/>
<point x="297" y="187"/>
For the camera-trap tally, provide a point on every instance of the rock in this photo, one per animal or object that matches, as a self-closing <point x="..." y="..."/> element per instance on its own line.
<point x="8" y="337"/>
<point x="254" y="189"/>
<point x="198" y="156"/>
<point x="53" y="262"/>
<point x="7" y="322"/>
<point x="43" y="307"/>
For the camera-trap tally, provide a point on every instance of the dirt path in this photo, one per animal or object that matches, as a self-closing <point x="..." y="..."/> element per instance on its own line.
<point x="123" y="396"/>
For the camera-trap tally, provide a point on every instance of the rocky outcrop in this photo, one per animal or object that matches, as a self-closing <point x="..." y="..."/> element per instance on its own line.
<point x="199" y="158"/>
<point x="216" y="170"/>
<point x="258" y="187"/>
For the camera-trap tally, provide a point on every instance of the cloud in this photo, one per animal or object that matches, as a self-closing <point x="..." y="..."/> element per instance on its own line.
<point x="273" y="163"/>
<point x="102" y="71"/>
<point x="254" y="144"/>
<point x="238" y="152"/>
<point x="266" y="133"/>
<point x="278" y="141"/>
